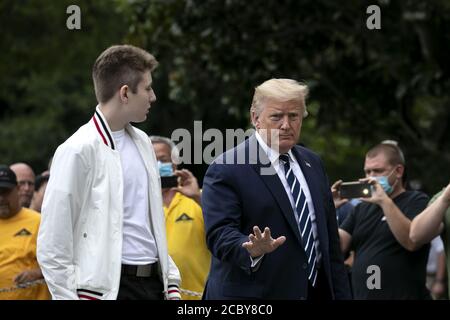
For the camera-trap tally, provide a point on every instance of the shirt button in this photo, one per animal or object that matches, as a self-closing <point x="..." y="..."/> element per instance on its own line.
<point x="302" y="298"/>
<point x="305" y="266"/>
<point x="85" y="235"/>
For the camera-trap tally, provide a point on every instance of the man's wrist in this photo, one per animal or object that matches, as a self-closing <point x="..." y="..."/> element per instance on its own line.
<point x="385" y="203"/>
<point x="197" y="198"/>
<point x="446" y="201"/>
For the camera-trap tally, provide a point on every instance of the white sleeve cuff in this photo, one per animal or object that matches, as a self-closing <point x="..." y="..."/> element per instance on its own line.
<point x="173" y="293"/>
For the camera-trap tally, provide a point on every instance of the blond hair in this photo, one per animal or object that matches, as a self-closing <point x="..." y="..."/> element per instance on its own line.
<point x="281" y="90"/>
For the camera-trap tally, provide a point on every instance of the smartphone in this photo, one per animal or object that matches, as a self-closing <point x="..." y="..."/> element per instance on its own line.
<point x="355" y="189"/>
<point x="169" y="182"/>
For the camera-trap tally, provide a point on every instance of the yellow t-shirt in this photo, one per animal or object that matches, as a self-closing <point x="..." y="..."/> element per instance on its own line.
<point x="187" y="243"/>
<point x="18" y="236"/>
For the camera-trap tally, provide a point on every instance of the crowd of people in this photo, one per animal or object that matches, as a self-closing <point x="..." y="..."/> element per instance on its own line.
<point x="99" y="224"/>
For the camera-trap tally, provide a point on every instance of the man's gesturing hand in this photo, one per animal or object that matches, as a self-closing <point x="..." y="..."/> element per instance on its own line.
<point x="262" y="243"/>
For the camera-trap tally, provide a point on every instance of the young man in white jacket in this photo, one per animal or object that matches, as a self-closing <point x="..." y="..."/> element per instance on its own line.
<point x="102" y="234"/>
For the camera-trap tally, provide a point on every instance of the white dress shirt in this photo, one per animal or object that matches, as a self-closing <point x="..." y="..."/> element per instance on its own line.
<point x="274" y="156"/>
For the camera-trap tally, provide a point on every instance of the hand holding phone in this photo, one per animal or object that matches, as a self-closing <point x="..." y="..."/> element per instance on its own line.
<point x="355" y="189"/>
<point x="169" y="182"/>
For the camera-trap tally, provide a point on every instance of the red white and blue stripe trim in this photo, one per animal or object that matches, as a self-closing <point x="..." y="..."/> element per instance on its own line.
<point x="85" y="294"/>
<point x="173" y="292"/>
<point x="103" y="129"/>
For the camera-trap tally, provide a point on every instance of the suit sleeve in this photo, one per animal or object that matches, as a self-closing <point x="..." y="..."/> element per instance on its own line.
<point x="223" y="214"/>
<point x="60" y="211"/>
<point x="341" y="286"/>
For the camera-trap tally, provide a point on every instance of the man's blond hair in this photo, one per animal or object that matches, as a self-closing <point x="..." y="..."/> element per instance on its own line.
<point x="280" y="90"/>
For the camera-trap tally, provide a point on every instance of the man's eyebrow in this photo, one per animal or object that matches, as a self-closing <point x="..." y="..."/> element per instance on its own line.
<point x="276" y="112"/>
<point x="281" y="113"/>
<point x="373" y="169"/>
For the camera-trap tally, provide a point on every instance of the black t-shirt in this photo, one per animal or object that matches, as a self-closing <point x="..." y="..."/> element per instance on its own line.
<point x="402" y="272"/>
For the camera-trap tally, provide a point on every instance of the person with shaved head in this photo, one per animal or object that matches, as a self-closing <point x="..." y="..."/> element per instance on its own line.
<point x="25" y="181"/>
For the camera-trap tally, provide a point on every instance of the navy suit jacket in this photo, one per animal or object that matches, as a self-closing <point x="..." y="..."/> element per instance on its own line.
<point x="236" y="197"/>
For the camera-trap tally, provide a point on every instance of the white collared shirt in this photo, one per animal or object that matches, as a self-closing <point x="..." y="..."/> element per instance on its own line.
<point x="274" y="158"/>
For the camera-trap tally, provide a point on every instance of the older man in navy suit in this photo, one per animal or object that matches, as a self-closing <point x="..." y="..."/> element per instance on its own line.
<point x="269" y="214"/>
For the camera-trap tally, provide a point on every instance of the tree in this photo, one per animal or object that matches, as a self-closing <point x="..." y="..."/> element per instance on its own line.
<point x="366" y="85"/>
<point x="45" y="72"/>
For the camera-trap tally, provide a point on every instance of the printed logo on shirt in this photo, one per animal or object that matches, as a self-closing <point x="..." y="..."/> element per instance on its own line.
<point x="184" y="217"/>
<point x="23" y="233"/>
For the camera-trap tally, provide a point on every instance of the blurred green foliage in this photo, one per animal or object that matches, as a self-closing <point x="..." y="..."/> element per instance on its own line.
<point x="365" y="85"/>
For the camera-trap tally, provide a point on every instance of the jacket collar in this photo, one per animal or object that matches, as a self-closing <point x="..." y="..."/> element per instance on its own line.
<point x="103" y="129"/>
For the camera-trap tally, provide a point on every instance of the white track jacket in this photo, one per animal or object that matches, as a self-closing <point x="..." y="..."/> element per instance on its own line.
<point x="80" y="238"/>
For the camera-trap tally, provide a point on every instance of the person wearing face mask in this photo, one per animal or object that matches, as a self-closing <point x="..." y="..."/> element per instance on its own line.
<point x="378" y="231"/>
<point x="186" y="240"/>
<point x="165" y="169"/>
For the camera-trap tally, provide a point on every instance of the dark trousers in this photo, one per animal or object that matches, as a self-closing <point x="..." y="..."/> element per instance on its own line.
<point x="321" y="291"/>
<point x="140" y="288"/>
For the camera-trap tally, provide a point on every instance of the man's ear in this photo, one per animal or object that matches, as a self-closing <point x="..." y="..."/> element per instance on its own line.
<point x="123" y="93"/>
<point x="255" y="119"/>
<point x="400" y="170"/>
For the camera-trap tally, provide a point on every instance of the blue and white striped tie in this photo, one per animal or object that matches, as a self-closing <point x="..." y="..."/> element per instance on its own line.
<point x="303" y="218"/>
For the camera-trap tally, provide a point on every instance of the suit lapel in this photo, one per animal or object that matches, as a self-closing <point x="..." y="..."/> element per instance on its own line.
<point x="261" y="164"/>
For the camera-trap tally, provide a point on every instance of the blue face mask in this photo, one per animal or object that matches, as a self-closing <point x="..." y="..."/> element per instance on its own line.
<point x="165" y="169"/>
<point x="384" y="183"/>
